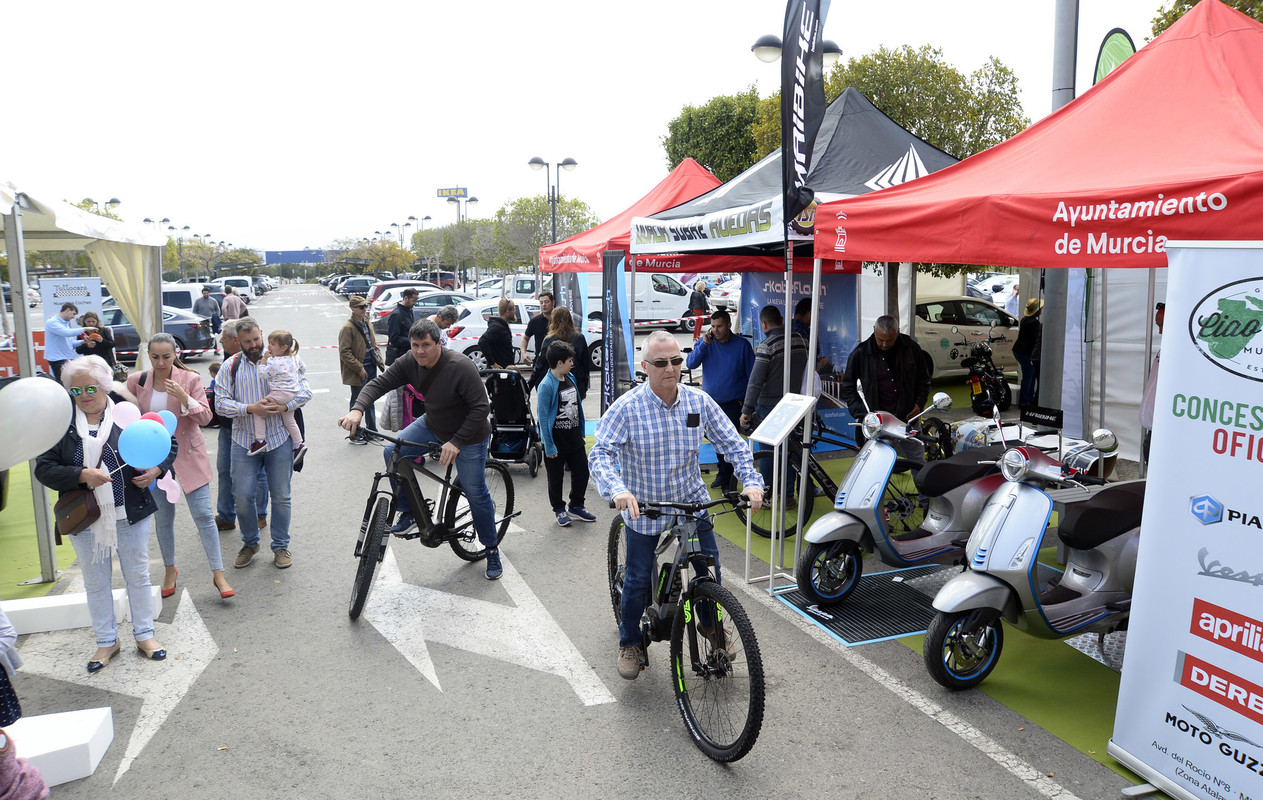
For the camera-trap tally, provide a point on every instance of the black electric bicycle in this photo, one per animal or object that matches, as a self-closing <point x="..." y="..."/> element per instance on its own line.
<point x="456" y="527"/>
<point x="717" y="672"/>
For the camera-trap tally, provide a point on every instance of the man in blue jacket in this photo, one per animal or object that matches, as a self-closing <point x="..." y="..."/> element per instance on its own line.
<point x="60" y="337"/>
<point x="728" y="361"/>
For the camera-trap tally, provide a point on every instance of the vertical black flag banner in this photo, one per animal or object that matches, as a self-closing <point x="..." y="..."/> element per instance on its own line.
<point x="802" y="99"/>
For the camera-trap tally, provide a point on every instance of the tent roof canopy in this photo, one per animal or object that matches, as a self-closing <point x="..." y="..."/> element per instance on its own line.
<point x="858" y="149"/>
<point x="56" y="225"/>
<point x="1168" y="146"/>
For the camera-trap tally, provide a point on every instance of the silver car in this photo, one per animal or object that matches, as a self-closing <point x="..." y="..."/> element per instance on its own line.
<point x="973" y="319"/>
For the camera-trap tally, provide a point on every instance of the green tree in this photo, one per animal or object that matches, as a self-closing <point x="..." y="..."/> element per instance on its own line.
<point x="718" y="135"/>
<point x="525" y="225"/>
<point x="1167" y="16"/>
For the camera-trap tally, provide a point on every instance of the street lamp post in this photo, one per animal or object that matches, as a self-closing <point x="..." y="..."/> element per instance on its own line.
<point x="179" y="240"/>
<point x="462" y="208"/>
<point x="768" y="49"/>
<point x="554" y="186"/>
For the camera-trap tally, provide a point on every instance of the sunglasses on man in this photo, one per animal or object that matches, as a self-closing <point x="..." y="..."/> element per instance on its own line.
<point x="75" y="391"/>
<point x="661" y="363"/>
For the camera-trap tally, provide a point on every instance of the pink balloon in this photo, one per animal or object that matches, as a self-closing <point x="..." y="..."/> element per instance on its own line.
<point x="125" y="413"/>
<point x="168" y="484"/>
<point x="155" y="416"/>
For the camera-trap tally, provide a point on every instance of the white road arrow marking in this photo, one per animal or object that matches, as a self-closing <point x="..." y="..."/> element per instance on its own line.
<point x="525" y="635"/>
<point x="63" y="655"/>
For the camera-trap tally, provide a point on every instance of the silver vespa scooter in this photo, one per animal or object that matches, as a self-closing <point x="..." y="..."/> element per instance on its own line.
<point x="904" y="529"/>
<point x="1100" y="528"/>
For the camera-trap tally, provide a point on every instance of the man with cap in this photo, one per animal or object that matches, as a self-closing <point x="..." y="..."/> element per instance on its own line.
<point x="398" y="325"/>
<point x="1030" y="335"/>
<point x="1151" y="388"/>
<point x="360" y="358"/>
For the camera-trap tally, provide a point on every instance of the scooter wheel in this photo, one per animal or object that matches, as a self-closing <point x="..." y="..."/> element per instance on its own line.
<point x="962" y="647"/>
<point x="827" y="573"/>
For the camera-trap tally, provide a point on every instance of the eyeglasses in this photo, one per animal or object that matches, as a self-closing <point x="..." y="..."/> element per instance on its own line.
<point x="661" y="363"/>
<point x="75" y="391"/>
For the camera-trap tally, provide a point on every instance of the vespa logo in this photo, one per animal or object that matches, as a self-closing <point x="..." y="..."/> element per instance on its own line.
<point x="1206" y="509"/>
<point x="816" y="611"/>
<point x="1225" y="327"/>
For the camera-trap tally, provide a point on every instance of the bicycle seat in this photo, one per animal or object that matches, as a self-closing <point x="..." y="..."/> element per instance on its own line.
<point x="1111" y="512"/>
<point x="940" y="477"/>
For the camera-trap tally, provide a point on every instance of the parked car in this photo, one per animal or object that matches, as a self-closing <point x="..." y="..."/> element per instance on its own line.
<point x="191" y="332"/>
<point x="381" y="286"/>
<point x="727" y="295"/>
<point x="659" y="296"/>
<point x="261" y="285"/>
<point x="973" y="319"/>
<point x="427" y="304"/>
<point x="445" y="280"/>
<point x="359" y="285"/>
<point x="242" y="285"/>
<point x="988" y="286"/>
<point x="472" y="324"/>
<point x="523" y="287"/>
<point x="8" y="301"/>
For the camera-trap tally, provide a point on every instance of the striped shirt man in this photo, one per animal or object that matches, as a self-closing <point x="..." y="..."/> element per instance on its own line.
<point x="656" y="446"/>
<point x="234" y="392"/>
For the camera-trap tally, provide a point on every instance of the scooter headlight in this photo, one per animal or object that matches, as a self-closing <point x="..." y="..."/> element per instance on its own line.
<point x="872" y="425"/>
<point x="1014" y="465"/>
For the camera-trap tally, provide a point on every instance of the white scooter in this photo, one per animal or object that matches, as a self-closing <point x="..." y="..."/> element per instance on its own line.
<point x="928" y="525"/>
<point x="1100" y="528"/>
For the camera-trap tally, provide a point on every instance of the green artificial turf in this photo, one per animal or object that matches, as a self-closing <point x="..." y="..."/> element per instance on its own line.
<point x="19" y="552"/>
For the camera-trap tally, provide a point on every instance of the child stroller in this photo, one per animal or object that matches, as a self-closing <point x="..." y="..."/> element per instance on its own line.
<point x="514" y="432"/>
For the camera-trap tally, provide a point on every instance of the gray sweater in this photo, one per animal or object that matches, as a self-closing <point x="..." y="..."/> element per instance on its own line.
<point x="456" y="404"/>
<point x="767" y="379"/>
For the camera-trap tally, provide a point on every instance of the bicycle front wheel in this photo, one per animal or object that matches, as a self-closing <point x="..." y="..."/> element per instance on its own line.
<point x="371" y="551"/>
<point x="459" y="518"/>
<point x="762" y="522"/>
<point x="721" y="694"/>
<point x="616" y="561"/>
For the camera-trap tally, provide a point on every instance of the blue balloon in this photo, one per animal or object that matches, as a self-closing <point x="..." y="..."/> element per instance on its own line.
<point x="168" y="421"/>
<point x="144" y="444"/>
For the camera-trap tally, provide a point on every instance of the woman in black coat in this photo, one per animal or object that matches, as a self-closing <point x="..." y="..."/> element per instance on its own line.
<point x="561" y="328"/>
<point x="88" y="457"/>
<point x="98" y="343"/>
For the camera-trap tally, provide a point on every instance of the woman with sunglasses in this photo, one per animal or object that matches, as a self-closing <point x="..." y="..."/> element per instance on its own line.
<point x="171" y="386"/>
<point x="87" y="457"/>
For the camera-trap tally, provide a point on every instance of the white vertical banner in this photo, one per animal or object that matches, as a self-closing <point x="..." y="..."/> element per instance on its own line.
<point x="85" y="293"/>
<point x="1190" y="705"/>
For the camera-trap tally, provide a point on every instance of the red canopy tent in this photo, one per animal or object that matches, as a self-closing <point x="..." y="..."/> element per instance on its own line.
<point x="1168" y="146"/>
<point x="583" y="252"/>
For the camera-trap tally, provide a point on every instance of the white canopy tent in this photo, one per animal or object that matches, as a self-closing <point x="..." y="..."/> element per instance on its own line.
<point x="129" y="260"/>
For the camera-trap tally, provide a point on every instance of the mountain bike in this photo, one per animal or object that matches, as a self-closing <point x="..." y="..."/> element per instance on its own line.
<point x="717" y="674"/>
<point x="456" y="527"/>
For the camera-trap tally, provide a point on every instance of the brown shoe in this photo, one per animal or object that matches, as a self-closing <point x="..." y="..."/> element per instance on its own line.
<point x="629" y="661"/>
<point x="263" y="521"/>
<point x="282" y="559"/>
<point x="223" y="524"/>
<point x="245" y="556"/>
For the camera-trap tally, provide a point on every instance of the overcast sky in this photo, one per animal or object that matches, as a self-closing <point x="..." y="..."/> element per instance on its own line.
<point x="283" y="125"/>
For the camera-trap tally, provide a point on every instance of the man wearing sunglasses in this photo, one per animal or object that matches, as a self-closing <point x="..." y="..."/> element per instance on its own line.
<point x="646" y="447"/>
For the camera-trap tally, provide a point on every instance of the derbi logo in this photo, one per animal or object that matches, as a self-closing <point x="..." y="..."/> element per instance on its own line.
<point x="1209" y="511"/>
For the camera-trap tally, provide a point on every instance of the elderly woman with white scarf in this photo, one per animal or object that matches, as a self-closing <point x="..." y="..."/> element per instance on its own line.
<point x="87" y="457"/>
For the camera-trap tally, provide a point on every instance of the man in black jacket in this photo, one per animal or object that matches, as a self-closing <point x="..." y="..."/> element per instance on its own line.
<point x="398" y="325"/>
<point x="892" y="372"/>
<point x="497" y="343"/>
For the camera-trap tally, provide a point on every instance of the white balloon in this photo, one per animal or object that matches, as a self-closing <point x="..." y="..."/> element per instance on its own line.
<point x="125" y="413"/>
<point x="34" y="414"/>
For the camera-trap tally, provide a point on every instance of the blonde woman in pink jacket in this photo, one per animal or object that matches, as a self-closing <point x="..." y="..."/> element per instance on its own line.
<point x="171" y="386"/>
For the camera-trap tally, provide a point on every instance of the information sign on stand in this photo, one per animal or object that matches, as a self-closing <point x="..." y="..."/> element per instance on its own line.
<point x="775" y="431"/>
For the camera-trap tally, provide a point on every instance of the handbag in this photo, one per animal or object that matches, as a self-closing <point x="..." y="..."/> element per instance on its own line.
<point x="76" y="510"/>
<point x="10" y="708"/>
<point x="120" y="372"/>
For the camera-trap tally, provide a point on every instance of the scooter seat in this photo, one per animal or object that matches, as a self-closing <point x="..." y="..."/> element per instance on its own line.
<point x="1112" y="512"/>
<point x="940" y="477"/>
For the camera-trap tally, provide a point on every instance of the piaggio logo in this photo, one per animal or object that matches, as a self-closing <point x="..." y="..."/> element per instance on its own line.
<point x="1225" y="327"/>
<point x="1206" y="509"/>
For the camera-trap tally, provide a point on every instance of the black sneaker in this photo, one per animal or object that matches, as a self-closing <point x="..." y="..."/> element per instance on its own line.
<point x="494" y="570"/>
<point x="404" y="522"/>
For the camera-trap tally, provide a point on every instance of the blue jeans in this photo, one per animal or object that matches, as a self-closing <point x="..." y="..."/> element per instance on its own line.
<point x="471" y="472"/>
<point x="639" y="576"/>
<point x="200" y="508"/>
<point x="370" y="416"/>
<point x="277" y="465"/>
<point x="133" y="560"/>
<point x="1030" y="377"/>
<point x="227" y="505"/>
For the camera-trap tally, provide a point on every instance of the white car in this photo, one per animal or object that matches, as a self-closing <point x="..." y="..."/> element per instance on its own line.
<point x="727" y="295"/>
<point x="973" y="319"/>
<point x="472" y="324"/>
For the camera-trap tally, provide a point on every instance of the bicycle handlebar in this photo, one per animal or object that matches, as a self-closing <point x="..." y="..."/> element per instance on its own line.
<point x="433" y="447"/>
<point x="654" y="510"/>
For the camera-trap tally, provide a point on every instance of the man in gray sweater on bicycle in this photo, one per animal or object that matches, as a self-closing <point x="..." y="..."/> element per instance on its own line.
<point x="457" y="415"/>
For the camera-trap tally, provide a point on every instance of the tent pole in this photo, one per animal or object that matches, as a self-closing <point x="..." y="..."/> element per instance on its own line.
<point x="26" y="368"/>
<point x="1104" y="348"/>
<point x="1153" y="274"/>
<point x="1089" y="341"/>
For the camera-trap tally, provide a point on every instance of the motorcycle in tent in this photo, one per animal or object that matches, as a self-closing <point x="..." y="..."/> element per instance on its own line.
<point x="1100" y="528"/>
<point x="878" y="511"/>
<point x="987" y="385"/>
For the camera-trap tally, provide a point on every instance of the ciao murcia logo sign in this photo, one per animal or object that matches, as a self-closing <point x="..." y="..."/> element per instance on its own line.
<point x="1227" y="743"/>
<point x="1236" y="424"/>
<point x="1225" y="327"/>
<point x="1214" y="568"/>
<point x="1209" y="511"/>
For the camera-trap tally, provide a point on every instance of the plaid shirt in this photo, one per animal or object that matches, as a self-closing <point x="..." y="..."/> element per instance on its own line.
<point x="656" y="447"/>
<point x="232" y="395"/>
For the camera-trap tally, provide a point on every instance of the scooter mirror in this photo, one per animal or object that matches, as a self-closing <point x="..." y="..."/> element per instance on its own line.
<point x="1103" y="439"/>
<point x="942" y="400"/>
<point x="955" y="329"/>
